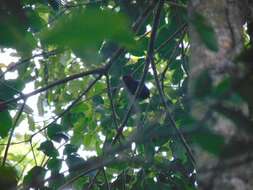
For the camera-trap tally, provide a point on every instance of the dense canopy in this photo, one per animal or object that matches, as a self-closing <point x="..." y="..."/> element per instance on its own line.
<point x="95" y="95"/>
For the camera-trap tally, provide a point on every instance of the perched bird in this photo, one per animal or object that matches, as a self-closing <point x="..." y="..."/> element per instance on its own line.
<point x="132" y="85"/>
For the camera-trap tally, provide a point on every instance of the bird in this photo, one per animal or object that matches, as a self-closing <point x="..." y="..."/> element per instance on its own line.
<point x="132" y="84"/>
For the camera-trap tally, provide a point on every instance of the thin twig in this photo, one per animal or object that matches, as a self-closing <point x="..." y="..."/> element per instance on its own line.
<point x="148" y="59"/>
<point x="119" y="51"/>
<point x="98" y="163"/>
<point x="24" y="156"/>
<point x="43" y="164"/>
<point x="108" y="158"/>
<point x="15" y="143"/>
<point x="11" y="133"/>
<point x="169" y="60"/>
<point x="124" y="180"/>
<point x="73" y="5"/>
<point x="176" y="4"/>
<point x="93" y="181"/>
<point x="109" y="92"/>
<point x="10" y="87"/>
<point x="171" y="120"/>
<point x="34" y="157"/>
<point x="106" y="180"/>
<point x="71" y="105"/>
<point x="136" y="27"/>
<point x="172" y="36"/>
<point x="138" y="23"/>
<point x="100" y="70"/>
<point x="49" y="53"/>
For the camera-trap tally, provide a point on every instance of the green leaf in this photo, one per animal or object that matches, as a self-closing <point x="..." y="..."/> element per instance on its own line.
<point x="98" y="100"/>
<point x="179" y="151"/>
<point x="5" y="123"/>
<point x="165" y="32"/>
<point x="40" y="105"/>
<point x="55" y="132"/>
<point x="149" y="150"/>
<point x="25" y="46"/>
<point x="48" y="148"/>
<point x="74" y="161"/>
<point x="54" y="164"/>
<point x="222" y="88"/>
<point x="69" y="149"/>
<point x="150" y="184"/>
<point x="205" y="31"/>
<point x="55" y="4"/>
<point x="12" y="27"/>
<point x="8" y="177"/>
<point x="244" y="88"/>
<point x="119" y="166"/>
<point x="77" y="138"/>
<point x="177" y="76"/>
<point x="157" y="133"/>
<point x="89" y="140"/>
<point x="35" y="177"/>
<point x="88" y="28"/>
<point x="209" y="141"/>
<point x="202" y="85"/>
<point x="59" y="180"/>
<point x="35" y="21"/>
<point x="82" y="182"/>
<point x="31" y="122"/>
<point x="108" y="49"/>
<point x="9" y="88"/>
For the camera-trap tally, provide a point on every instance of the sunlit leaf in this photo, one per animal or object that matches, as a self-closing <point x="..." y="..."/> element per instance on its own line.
<point x="82" y="29"/>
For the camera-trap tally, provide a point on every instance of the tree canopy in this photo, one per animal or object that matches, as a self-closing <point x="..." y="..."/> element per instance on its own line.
<point x="69" y="118"/>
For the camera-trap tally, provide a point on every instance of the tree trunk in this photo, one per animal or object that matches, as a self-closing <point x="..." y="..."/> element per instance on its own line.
<point x="227" y="18"/>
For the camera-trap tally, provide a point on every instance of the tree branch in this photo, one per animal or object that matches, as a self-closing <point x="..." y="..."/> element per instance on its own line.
<point x="49" y="53"/>
<point x="58" y="82"/>
<point x="109" y="92"/>
<point x="11" y="133"/>
<point x="148" y="59"/>
<point x="71" y="105"/>
<point x="169" y="60"/>
<point x="106" y="180"/>
<point x="171" y="120"/>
